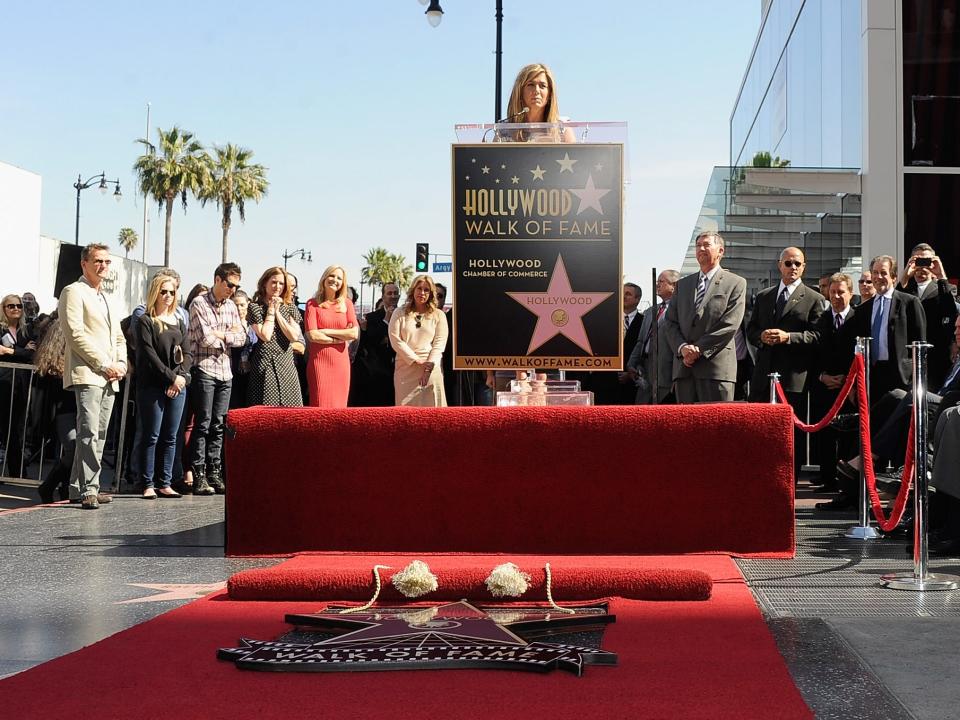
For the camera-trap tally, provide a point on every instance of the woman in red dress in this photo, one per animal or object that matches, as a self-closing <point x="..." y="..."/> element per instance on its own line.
<point x="331" y="324"/>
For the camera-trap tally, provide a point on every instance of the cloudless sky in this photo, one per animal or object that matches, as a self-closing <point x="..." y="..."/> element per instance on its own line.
<point x="351" y="106"/>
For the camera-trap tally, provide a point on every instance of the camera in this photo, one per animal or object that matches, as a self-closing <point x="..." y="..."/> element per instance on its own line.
<point x="923" y="262"/>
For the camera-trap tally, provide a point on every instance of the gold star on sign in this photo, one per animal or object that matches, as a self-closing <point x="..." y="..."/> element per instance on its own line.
<point x="485" y="170"/>
<point x="566" y="163"/>
<point x="538" y="173"/>
<point x="503" y="167"/>
<point x="515" y="180"/>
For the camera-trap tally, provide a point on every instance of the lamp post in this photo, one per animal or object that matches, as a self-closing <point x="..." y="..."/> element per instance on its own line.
<point x="102" y="185"/>
<point x="302" y="254"/>
<point x="434" y="15"/>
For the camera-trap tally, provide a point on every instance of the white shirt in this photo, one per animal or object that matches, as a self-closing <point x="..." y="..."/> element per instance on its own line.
<point x="790" y="288"/>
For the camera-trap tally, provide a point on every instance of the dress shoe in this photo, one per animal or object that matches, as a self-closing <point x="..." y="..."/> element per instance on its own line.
<point x="167" y="492"/>
<point x="102" y="498"/>
<point x="46" y="494"/>
<point x="823" y="483"/>
<point x="90" y="503"/>
<point x="841" y="502"/>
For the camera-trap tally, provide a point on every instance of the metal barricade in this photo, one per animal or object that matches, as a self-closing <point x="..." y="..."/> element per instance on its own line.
<point x="863" y="530"/>
<point x="16" y="407"/>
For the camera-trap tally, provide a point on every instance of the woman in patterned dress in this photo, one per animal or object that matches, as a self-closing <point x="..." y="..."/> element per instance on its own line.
<point x="276" y="321"/>
<point x="418" y="332"/>
<point x="331" y="325"/>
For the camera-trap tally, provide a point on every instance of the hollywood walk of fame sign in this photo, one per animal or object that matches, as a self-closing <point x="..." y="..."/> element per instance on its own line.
<point x="455" y="635"/>
<point x="537" y="256"/>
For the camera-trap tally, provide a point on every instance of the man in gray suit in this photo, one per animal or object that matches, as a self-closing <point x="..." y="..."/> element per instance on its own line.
<point x="651" y="363"/>
<point x="700" y="326"/>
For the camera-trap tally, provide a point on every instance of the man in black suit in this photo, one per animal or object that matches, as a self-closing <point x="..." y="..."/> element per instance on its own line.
<point x="372" y="375"/>
<point x="619" y="388"/>
<point x="783" y="329"/>
<point x="893" y="320"/>
<point x="834" y="357"/>
<point x="925" y="278"/>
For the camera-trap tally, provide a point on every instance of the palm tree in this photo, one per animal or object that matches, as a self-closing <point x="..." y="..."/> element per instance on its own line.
<point x="233" y="181"/>
<point x="376" y="267"/>
<point x="176" y="170"/>
<point x="400" y="272"/>
<point x="128" y="239"/>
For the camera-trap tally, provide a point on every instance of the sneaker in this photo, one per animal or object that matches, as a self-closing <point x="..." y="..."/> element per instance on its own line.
<point x="102" y="498"/>
<point x="200" y="486"/>
<point x="89" y="503"/>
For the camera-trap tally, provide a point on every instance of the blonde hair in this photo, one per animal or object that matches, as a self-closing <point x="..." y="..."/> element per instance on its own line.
<point x="409" y="304"/>
<point x="153" y="294"/>
<point x="260" y="295"/>
<point x="551" y="113"/>
<point x="3" y="315"/>
<point x="340" y="298"/>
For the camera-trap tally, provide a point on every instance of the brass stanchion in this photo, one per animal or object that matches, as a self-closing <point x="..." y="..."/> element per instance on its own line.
<point x="862" y="530"/>
<point x="920" y="578"/>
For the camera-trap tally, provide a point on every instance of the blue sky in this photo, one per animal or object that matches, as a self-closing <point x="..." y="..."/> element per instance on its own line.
<point x="351" y="106"/>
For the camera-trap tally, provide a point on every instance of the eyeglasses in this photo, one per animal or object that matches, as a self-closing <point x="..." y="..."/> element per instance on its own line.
<point x="232" y="286"/>
<point x="14" y="306"/>
<point x="102" y="262"/>
<point x="419" y="319"/>
<point x="866" y="282"/>
<point x="793" y="263"/>
<point x="171" y="293"/>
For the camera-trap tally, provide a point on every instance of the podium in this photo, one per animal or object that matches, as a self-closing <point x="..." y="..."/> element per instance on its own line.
<point x="537" y="246"/>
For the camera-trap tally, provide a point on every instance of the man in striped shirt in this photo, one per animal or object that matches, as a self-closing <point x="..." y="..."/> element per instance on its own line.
<point x="215" y="327"/>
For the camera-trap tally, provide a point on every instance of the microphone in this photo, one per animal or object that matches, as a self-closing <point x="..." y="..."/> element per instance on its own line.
<point x="510" y="118"/>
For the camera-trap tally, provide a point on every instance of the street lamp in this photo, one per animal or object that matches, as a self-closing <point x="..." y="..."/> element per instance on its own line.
<point x="302" y="254"/>
<point x="434" y="15"/>
<point x="102" y="185"/>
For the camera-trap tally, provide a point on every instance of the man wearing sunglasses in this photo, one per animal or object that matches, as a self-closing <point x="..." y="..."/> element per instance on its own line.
<point x="215" y="328"/>
<point x="783" y="328"/>
<point x="94" y="363"/>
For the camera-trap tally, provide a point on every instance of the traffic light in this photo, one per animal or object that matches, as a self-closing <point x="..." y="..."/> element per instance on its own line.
<point x="423" y="257"/>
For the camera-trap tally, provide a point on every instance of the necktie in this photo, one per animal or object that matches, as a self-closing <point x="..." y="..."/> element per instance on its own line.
<point x="654" y="326"/>
<point x="950" y="378"/>
<point x="837" y="321"/>
<point x="701" y="291"/>
<point x="876" y="330"/>
<point x="782" y="301"/>
<point x="626" y="323"/>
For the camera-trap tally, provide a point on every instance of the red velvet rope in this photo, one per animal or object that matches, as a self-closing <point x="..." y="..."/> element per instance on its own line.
<point x="858" y="373"/>
<point x="866" y="457"/>
<point x="855" y="368"/>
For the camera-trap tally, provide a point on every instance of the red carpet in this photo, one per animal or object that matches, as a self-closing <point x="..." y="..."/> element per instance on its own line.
<point x="713" y="659"/>
<point x="532" y="480"/>
<point x="350" y="577"/>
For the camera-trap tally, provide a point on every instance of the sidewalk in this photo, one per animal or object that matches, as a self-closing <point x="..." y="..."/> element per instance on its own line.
<point x="856" y="650"/>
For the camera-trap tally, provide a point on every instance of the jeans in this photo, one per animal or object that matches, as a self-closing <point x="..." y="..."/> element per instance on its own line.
<point x="158" y="426"/>
<point x="94" y="406"/>
<point x="211" y="400"/>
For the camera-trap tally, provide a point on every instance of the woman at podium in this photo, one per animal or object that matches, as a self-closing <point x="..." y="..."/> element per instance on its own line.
<point x="418" y="333"/>
<point x="534" y="100"/>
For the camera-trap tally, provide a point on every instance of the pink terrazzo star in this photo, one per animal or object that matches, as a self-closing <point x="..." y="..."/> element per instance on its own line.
<point x="559" y="310"/>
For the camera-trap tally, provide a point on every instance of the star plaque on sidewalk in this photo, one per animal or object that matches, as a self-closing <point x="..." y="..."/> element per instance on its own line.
<point x="455" y="635"/>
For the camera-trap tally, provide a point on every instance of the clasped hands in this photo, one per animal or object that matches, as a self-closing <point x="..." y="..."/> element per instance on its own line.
<point x="177" y="387"/>
<point x="425" y="374"/>
<point x="690" y="354"/>
<point x="114" y="371"/>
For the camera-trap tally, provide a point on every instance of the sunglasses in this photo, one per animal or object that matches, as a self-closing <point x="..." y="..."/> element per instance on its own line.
<point x="14" y="306"/>
<point x="792" y="263"/>
<point x="418" y="318"/>
<point x="232" y="286"/>
<point x="866" y="282"/>
<point x="171" y="293"/>
<point x="102" y="262"/>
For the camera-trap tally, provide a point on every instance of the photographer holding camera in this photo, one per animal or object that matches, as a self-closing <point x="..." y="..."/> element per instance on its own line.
<point x="925" y="277"/>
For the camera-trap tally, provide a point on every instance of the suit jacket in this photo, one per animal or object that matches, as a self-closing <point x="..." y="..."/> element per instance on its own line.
<point x="94" y="339"/>
<point x="656" y="365"/>
<point x="836" y="349"/>
<point x="793" y="359"/>
<point x="940" y="310"/>
<point x="711" y="328"/>
<point x="906" y="323"/>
